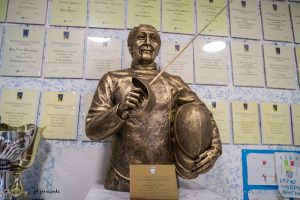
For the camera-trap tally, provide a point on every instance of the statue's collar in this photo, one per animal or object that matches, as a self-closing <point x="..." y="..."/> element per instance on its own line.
<point x="151" y="66"/>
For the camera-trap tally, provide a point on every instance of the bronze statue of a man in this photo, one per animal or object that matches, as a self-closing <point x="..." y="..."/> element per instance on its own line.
<point x="163" y="135"/>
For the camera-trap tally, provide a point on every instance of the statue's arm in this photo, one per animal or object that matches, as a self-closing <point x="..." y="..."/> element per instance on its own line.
<point x="102" y="120"/>
<point x="206" y="160"/>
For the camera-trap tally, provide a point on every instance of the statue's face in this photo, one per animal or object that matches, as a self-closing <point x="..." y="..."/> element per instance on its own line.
<point x="146" y="45"/>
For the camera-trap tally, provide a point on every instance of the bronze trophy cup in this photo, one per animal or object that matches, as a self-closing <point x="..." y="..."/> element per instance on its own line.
<point x="13" y="143"/>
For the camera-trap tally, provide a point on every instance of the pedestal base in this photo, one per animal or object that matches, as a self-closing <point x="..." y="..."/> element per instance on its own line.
<point x="187" y="191"/>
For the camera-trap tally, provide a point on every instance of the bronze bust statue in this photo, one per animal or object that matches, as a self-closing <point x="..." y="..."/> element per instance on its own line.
<point x="177" y="128"/>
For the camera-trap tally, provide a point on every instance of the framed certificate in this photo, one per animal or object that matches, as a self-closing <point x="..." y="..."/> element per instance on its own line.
<point x="295" y="13"/>
<point x="183" y="66"/>
<point x="178" y="16"/>
<point x="276" y="21"/>
<point x="19" y="107"/>
<point x="107" y="14"/>
<point x="220" y="111"/>
<point x="27" y="11"/>
<point x="298" y="60"/>
<point x="206" y="11"/>
<point x="22" y="51"/>
<point x="280" y="71"/>
<point x="59" y="114"/>
<point x="210" y="67"/>
<point x="276" y="123"/>
<point x="143" y="12"/>
<point x="1" y="35"/>
<point x="103" y="55"/>
<point x="247" y="64"/>
<point x="296" y="123"/>
<point x="245" y="123"/>
<point x="68" y="12"/>
<point x="3" y="8"/>
<point x="244" y="19"/>
<point x="64" y="53"/>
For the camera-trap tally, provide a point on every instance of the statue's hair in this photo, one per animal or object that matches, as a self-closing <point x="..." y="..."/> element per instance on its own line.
<point x="133" y="33"/>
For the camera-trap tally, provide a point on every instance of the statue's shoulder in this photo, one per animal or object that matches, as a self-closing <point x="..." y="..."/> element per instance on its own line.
<point x="172" y="78"/>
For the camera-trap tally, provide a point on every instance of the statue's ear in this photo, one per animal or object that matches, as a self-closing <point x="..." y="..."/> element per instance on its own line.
<point x="130" y="50"/>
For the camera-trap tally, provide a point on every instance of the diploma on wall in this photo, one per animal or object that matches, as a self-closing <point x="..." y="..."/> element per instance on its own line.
<point x="1" y="35"/>
<point x="244" y="19"/>
<point x="3" y="8"/>
<point x="276" y="21"/>
<point x="206" y="11"/>
<point x="276" y="123"/>
<point x="296" y="123"/>
<point x="178" y="16"/>
<point x="245" y="123"/>
<point x="183" y="66"/>
<point x="295" y="13"/>
<point x="279" y="67"/>
<point x="103" y="55"/>
<point x="64" y="53"/>
<point x="298" y="60"/>
<point x="210" y="67"/>
<point x="22" y="51"/>
<point x="247" y="64"/>
<point x="143" y="12"/>
<point x="107" y="14"/>
<point x="19" y="107"/>
<point x="68" y="12"/>
<point x="220" y="111"/>
<point x="27" y="11"/>
<point x="59" y="114"/>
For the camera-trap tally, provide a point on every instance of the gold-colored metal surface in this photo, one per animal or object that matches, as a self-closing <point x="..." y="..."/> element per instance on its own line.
<point x="149" y="138"/>
<point x="16" y="188"/>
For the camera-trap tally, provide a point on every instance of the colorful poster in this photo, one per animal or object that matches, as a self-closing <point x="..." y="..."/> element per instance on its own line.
<point x="279" y="65"/>
<point x="64" y="53"/>
<point x="183" y="66"/>
<point x="295" y="14"/>
<point x="261" y="169"/>
<point x="107" y="14"/>
<point x="245" y="123"/>
<point x="19" y="107"/>
<point x="210" y="67"/>
<point x="276" y="21"/>
<point x="220" y="111"/>
<point x="22" y="51"/>
<point x="244" y="19"/>
<point x="59" y="114"/>
<point x="247" y="64"/>
<point x="103" y="55"/>
<point x="288" y="174"/>
<point x="207" y="10"/>
<point x="296" y="123"/>
<point x="178" y="16"/>
<point x="143" y="12"/>
<point x="276" y="123"/>
<point x="68" y="12"/>
<point x="27" y="11"/>
<point x="264" y="195"/>
<point x="3" y="8"/>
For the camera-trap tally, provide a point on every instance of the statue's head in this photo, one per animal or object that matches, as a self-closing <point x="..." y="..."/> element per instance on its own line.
<point x="143" y="44"/>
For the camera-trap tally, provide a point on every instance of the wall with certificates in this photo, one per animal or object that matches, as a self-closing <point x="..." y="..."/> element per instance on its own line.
<point x="244" y="64"/>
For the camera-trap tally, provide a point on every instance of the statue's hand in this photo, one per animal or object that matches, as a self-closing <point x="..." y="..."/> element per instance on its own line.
<point x="132" y="102"/>
<point x="206" y="160"/>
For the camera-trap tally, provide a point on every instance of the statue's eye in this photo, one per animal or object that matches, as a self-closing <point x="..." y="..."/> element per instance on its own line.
<point x="140" y="37"/>
<point x="154" y="38"/>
